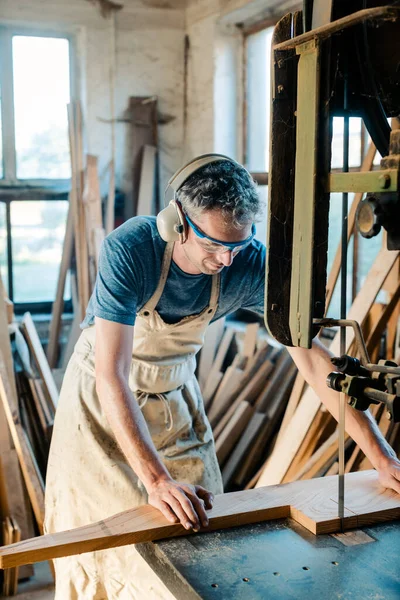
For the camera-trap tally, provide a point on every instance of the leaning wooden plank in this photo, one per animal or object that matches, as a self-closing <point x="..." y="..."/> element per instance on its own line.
<point x="295" y="432"/>
<point x="311" y="503"/>
<point x="13" y="497"/>
<point x="7" y="536"/>
<point x="33" y="481"/>
<point x="211" y="340"/>
<point x="218" y="362"/>
<point x="249" y="392"/>
<point x="242" y="461"/>
<point x="294" y="400"/>
<point x="233" y="430"/>
<point x="18" y="503"/>
<point x="147" y="183"/>
<point x="40" y="358"/>
<point x="16" y="537"/>
<point x="250" y="339"/>
<point x="5" y="350"/>
<point x="230" y="384"/>
<point x="260" y="429"/>
<point x="110" y="209"/>
<point x="58" y="304"/>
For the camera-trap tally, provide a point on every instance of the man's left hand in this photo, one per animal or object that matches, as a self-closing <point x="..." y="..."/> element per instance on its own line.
<point x="389" y="475"/>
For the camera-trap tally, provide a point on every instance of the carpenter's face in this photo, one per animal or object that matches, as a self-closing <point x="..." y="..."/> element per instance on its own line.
<point x="207" y="255"/>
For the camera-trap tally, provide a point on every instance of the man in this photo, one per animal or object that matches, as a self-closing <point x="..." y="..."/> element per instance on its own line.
<point x="130" y="427"/>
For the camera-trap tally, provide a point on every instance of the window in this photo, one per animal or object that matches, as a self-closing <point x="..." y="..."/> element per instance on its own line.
<point x="35" y="173"/>
<point x="257" y="113"/>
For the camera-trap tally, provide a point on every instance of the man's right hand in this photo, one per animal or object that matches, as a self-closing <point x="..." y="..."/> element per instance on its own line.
<point x="181" y="502"/>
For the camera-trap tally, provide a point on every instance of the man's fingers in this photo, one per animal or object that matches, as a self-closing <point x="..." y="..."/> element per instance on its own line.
<point x="164" y="508"/>
<point x="395" y="484"/>
<point x="183" y="498"/>
<point x="187" y="521"/>
<point x="199" y="507"/>
<point x="205" y="495"/>
<point x="168" y="512"/>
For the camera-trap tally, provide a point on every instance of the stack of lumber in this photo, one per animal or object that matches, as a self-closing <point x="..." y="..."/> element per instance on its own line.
<point x="28" y="399"/>
<point x="245" y="393"/>
<point x="83" y="237"/>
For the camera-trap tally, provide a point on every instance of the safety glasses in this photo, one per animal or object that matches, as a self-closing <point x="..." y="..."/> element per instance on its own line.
<point x="215" y="246"/>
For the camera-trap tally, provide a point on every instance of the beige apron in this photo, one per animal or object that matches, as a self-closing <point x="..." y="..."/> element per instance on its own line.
<point x="88" y="477"/>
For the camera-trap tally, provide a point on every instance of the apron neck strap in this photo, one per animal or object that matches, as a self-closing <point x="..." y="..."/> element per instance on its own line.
<point x="165" y="265"/>
<point x="215" y="286"/>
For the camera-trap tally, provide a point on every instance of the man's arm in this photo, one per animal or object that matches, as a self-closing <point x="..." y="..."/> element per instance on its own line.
<point x="315" y="366"/>
<point x="177" y="501"/>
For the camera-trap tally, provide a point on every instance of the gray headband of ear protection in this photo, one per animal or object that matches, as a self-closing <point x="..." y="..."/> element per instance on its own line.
<point x="194" y="165"/>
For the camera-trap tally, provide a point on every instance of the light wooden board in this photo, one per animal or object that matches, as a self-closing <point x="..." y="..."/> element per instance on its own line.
<point x="211" y="340"/>
<point x="249" y="393"/>
<point x="312" y="503"/>
<point x="29" y="468"/>
<point x="40" y="358"/>
<point x="233" y="430"/>
<point x="58" y="304"/>
<point x="295" y="432"/>
<point x="147" y="188"/>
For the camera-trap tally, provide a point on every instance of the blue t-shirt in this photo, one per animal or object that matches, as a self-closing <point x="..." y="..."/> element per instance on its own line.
<point x="129" y="271"/>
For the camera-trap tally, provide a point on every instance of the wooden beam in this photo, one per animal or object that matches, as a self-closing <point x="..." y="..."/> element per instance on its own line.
<point x="40" y="358"/>
<point x="58" y="304"/>
<point x="311" y="503"/>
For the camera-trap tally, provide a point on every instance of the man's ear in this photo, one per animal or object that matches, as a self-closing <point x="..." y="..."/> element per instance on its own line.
<point x="182" y="222"/>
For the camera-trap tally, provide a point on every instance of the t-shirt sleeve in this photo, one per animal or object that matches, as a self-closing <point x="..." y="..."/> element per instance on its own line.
<point x="115" y="295"/>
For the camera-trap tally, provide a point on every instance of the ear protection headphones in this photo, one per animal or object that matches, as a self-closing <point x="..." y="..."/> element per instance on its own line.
<point x="171" y="221"/>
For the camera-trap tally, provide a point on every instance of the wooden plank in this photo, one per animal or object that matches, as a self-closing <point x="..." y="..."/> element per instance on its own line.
<point x="58" y="304"/>
<point x="91" y="199"/>
<point x="210" y="384"/>
<point x="36" y="348"/>
<point x="246" y="444"/>
<point x="249" y="392"/>
<point x="294" y="434"/>
<point x="211" y="340"/>
<point x="230" y="385"/>
<point x="311" y="503"/>
<point x="109" y="224"/>
<point x="233" y="430"/>
<point x="147" y="183"/>
<point x="143" y="115"/>
<point x="30" y="471"/>
<point x="310" y="443"/>
<point x="271" y="404"/>
<point x="250" y="339"/>
<point x="7" y="536"/>
<point x="5" y="350"/>
<point x="211" y="388"/>
<point x="16" y="537"/>
<point x="81" y="251"/>
<point x="294" y="400"/>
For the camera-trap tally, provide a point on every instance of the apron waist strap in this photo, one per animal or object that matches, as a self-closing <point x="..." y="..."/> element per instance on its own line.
<point x="142" y="398"/>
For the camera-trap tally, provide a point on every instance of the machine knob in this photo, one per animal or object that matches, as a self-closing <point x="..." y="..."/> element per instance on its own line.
<point x="367" y="217"/>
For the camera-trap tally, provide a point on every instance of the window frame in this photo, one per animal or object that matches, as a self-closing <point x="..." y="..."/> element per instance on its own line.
<point x="13" y="189"/>
<point x="7" y="103"/>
